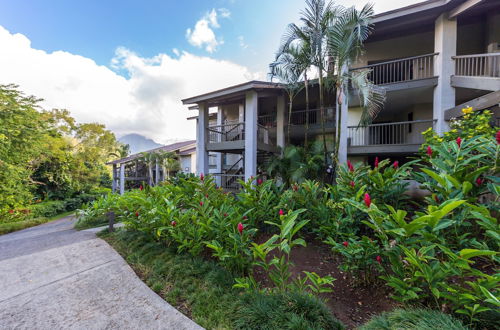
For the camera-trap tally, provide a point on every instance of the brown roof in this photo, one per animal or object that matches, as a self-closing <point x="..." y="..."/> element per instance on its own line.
<point x="187" y="152"/>
<point x="168" y="148"/>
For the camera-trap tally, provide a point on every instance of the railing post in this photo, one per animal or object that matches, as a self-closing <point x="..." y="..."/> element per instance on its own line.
<point x="111" y="221"/>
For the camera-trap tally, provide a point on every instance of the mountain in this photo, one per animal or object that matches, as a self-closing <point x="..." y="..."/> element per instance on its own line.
<point x="138" y="143"/>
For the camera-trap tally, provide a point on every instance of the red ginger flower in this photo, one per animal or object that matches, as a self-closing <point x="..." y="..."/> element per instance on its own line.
<point x="202" y="177"/>
<point x="11" y="211"/>
<point x="497" y="136"/>
<point x="259" y="182"/>
<point x="376" y="162"/>
<point x="429" y="151"/>
<point x="245" y="217"/>
<point x="141" y="187"/>
<point x="349" y="165"/>
<point x="396" y="164"/>
<point x="201" y="203"/>
<point x="479" y="181"/>
<point x="345" y="243"/>
<point x="173" y="223"/>
<point x="225" y="214"/>
<point x="281" y="212"/>
<point x="459" y="141"/>
<point x="137" y="214"/>
<point x="379" y="259"/>
<point x="240" y="228"/>
<point x="295" y="187"/>
<point x="368" y="200"/>
<point x="352" y="183"/>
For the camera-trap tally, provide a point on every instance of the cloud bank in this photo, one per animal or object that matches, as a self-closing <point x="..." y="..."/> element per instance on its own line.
<point x="146" y="99"/>
<point x="203" y="35"/>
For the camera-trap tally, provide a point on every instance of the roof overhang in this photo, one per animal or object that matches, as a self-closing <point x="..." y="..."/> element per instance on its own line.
<point x="236" y="90"/>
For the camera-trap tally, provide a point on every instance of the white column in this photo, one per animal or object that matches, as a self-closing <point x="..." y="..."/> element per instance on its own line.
<point x="113" y="183"/>
<point x="280" y="121"/>
<point x="122" y="178"/>
<point x="251" y="104"/>
<point x="157" y="172"/>
<point x="344" y="112"/>
<point x="219" y="169"/>
<point x="445" y="43"/>
<point x="202" y="140"/>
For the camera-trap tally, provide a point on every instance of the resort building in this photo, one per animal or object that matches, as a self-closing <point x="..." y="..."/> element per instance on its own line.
<point x="135" y="170"/>
<point x="432" y="58"/>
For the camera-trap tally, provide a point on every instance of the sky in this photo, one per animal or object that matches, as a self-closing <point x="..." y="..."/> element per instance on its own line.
<point x="127" y="64"/>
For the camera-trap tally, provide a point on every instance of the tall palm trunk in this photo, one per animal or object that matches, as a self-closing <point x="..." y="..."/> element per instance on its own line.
<point x="290" y="104"/>
<point x="322" y="114"/>
<point x="306" y="86"/>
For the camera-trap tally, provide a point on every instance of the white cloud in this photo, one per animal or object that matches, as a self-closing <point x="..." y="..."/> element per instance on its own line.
<point x="148" y="102"/>
<point x="203" y="35"/>
<point x="242" y="42"/>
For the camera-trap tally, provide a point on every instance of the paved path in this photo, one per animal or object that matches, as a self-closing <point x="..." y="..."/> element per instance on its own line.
<point x="54" y="277"/>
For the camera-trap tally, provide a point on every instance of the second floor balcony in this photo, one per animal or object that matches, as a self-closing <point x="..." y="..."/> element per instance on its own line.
<point x="230" y="137"/>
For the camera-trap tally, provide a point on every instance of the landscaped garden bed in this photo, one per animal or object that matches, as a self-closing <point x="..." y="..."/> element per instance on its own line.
<point x="362" y="245"/>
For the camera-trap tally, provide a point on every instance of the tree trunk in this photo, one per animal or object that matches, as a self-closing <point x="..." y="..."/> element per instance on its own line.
<point x="306" y="83"/>
<point x="322" y="115"/>
<point x="289" y="117"/>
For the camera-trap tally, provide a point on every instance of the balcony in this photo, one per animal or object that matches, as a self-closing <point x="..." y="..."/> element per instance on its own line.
<point x="387" y="138"/>
<point x="299" y="118"/>
<point x="477" y="71"/>
<point x="230" y="138"/>
<point x="410" y="72"/>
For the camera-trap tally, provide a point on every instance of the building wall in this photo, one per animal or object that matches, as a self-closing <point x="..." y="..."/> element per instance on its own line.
<point x="186" y="164"/>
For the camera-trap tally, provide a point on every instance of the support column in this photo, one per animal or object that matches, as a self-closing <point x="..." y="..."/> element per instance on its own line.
<point x="280" y="122"/>
<point x="113" y="183"/>
<point x="122" y="178"/>
<point x="445" y="43"/>
<point x="251" y="108"/>
<point x="202" y="140"/>
<point x="157" y="172"/>
<point x="219" y="169"/>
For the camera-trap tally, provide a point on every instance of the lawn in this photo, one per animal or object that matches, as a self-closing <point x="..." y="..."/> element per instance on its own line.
<point x="9" y="227"/>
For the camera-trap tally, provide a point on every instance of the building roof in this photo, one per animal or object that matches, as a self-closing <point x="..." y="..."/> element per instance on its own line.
<point x="188" y="151"/>
<point x="179" y="147"/>
<point x="254" y="84"/>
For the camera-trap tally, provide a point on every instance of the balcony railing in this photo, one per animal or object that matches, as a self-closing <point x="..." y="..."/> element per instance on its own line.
<point x="226" y="133"/>
<point x="407" y="132"/>
<point x="229" y="182"/>
<point x="263" y="134"/>
<point x="298" y="117"/>
<point x="478" y="65"/>
<point x="405" y="69"/>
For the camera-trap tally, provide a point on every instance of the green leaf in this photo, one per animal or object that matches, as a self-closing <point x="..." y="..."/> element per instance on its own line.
<point x="471" y="253"/>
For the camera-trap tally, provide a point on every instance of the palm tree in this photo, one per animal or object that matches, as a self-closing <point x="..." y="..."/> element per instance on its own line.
<point x="316" y="20"/>
<point x="121" y="151"/>
<point x="288" y="70"/>
<point x="150" y="159"/>
<point x="169" y="162"/>
<point x="349" y="29"/>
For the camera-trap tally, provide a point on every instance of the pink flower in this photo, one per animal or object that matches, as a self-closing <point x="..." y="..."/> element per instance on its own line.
<point x="281" y="212"/>
<point x="259" y="182"/>
<point x="368" y="200"/>
<point x="459" y="141"/>
<point x="396" y="164"/>
<point x="345" y="243"/>
<point x="173" y="223"/>
<point x="137" y="214"/>
<point x="225" y="214"/>
<point x="349" y="165"/>
<point x="376" y="162"/>
<point x="245" y="217"/>
<point x="202" y="177"/>
<point x="240" y="228"/>
<point x="352" y="184"/>
<point x="379" y="259"/>
<point x="497" y="136"/>
<point x="201" y="203"/>
<point x="479" y="181"/>
<point x="429" y="151"/>
<point x="140" y="187"/>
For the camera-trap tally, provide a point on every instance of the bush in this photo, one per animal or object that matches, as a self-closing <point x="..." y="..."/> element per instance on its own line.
<point x="47" y="209"/>
<point x="413" y="319"/>
<point x="284" y="311"/>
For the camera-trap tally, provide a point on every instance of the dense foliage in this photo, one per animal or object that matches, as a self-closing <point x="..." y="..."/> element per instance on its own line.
<point x="439" y="251"/>
<point x="46" y="154"/>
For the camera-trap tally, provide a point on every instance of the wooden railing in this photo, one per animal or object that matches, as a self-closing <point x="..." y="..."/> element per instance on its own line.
<point x="407" y="132"/>
<point x="226" y="132"/>
<point x="478" y="65"/>
<point x="405" y="69"/>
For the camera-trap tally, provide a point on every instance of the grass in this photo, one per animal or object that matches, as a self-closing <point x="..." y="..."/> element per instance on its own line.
<point x="10" y="227"/>
<point x="91" y="222"/>
<point x="203" y="290"/>
<point x="413" y="319"/>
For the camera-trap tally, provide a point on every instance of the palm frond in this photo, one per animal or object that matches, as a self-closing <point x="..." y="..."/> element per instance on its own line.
<point x="371" y="96"/>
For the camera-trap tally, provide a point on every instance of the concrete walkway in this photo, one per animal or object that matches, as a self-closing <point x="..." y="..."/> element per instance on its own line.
<point x="54" y="277"/>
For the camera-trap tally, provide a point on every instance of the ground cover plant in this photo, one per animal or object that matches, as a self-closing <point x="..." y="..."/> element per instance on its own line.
<point x="439" y="252"/>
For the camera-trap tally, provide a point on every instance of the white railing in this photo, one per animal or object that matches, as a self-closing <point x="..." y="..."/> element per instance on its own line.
<point x="406" y="132"/>
<point x="478" y="65"/>
<point x="263" y="134"/>
<point x="226" y="132"/>
<point x="405" y="69"/>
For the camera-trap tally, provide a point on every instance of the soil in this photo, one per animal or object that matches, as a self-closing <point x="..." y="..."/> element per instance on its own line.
<point x="349" y="302"/>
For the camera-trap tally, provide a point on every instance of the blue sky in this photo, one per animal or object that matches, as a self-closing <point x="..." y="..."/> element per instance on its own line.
<point x="128" y="64"/>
